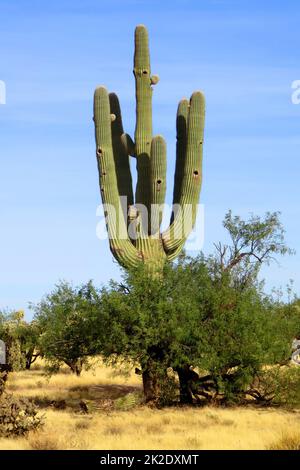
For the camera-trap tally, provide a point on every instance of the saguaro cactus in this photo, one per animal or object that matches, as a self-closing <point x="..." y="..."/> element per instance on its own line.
<point x="133" y="223"/>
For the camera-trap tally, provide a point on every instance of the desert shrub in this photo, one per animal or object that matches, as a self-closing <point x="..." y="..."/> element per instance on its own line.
<point x="17" y="416"/>
<point x="286" y="442"/>
<point x="44" y="441"/>
<point x="280" y="385"/>
<point x="3" y="378"/>
<point x="10" y="322"/>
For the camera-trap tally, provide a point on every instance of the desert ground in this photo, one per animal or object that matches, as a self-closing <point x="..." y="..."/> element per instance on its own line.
<point x="101" y="410"/>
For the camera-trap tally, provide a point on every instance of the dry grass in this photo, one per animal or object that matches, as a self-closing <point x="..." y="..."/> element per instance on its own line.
<point x="287" y="441"/>
<point x="98" y="387"/>
<point x="140" y="427"/>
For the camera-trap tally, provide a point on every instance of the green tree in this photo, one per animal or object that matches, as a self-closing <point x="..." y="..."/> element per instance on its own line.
<point x="29" y="335"/>
<point x="227" y="335"/>
<point x="63" y="318"/>
<point x="201" y="313"/>
<point x="253" y="242"/>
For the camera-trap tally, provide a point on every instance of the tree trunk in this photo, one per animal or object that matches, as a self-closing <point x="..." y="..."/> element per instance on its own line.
<point x="152" y="377"/>
<point x="78" y="368"/>
<point x="28" y="358"/>
<point x="75" y="366"/>
<point x="186" y="375"/>
<point x="151" y="390"/>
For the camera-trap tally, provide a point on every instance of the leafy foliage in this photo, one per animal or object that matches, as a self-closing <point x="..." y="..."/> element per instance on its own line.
<point x="189" y="317"/>
<point x="64" y="320"/>
<point x="198" y="314"/>
<point x="281" y="385"/>
<point x="252" y="243"/>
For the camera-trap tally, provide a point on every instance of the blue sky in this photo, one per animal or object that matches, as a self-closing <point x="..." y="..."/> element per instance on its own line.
<point x="242" y="54"/>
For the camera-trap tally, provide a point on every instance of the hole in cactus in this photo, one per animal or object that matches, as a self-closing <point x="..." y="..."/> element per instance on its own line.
<point x="196" y="173"/>
<point x="103" y="173"/>
<point x="99" y="151"/>
<point x="145" y="72"/>
<point x="158" y="181"/>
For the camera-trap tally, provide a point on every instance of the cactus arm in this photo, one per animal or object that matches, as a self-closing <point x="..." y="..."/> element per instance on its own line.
<point x="120" y="245"/>
<point x="158" y="164"/>
<point x="181" y="144"/>
<point x="121" y="157"/>
<point x="128" y="144"/>
<point x="143" y="129"/>
<point x="191" y="176"/>
<point x="172" y="255"/>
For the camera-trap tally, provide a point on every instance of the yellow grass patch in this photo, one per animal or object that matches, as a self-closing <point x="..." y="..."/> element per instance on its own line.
<point x="140" y="427"/>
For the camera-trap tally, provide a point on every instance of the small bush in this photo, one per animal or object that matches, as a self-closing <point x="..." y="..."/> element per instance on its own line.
<point x="17" y="416"/>
<point x="281" y="385"/>
<point x="44" y="442"/>
<point x="3" y="379"/>
<point x="287" y="442"/>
